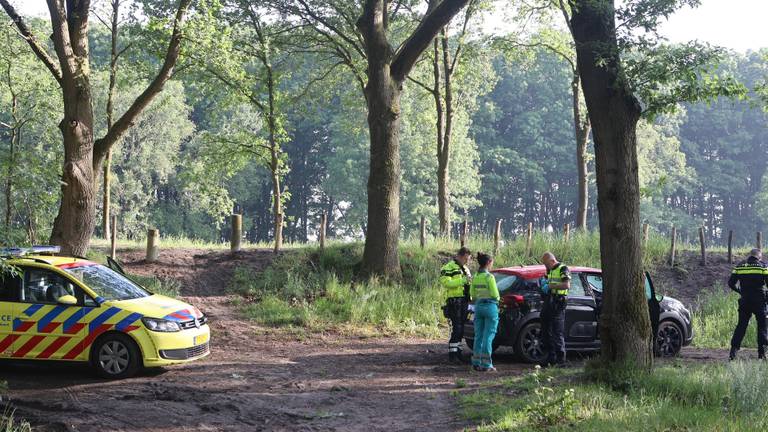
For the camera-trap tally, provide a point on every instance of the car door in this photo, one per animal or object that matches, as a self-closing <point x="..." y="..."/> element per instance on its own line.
<point x="580" y="314"/>
<point x="10" y="285"/>
<point x="47" y="328"/>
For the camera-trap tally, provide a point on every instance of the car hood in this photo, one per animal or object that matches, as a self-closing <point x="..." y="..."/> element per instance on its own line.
<point x="159" y="306"/>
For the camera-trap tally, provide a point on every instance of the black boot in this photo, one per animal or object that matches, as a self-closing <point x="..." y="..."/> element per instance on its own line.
<point x="454" y="357"/>
<point x="732" y="355"/>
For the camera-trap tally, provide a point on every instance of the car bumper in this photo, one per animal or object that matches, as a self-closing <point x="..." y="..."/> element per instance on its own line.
<point x="165" y="349"/>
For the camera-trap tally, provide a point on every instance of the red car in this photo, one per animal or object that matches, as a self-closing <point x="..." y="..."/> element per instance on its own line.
<point x="520" y="329"/>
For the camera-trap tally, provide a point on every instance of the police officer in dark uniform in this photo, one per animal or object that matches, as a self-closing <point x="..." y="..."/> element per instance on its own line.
<point x="554" y="295"/>
<point x="455" y="278"/>
<point x="750" y="279"/>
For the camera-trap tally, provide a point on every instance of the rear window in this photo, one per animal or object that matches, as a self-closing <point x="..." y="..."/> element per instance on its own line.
<point x="504" y="282"/>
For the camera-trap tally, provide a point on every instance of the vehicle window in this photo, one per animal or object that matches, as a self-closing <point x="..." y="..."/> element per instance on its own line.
<point x="531" y="285"/>
<point x="504" y="282"/>
<point x="107" y="283"/>
<point x="10" y="285"/>
<point x="45" y="286"/>
<point x="577" y="288"/>
<point x="647" y="288"/>
<point x="595" y="282"/>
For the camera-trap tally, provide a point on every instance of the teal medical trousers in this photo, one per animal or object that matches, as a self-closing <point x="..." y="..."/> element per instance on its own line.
<point x="486" y="321"/>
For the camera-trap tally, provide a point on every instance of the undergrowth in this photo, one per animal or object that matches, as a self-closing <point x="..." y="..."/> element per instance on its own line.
<point x="681" y="398"/>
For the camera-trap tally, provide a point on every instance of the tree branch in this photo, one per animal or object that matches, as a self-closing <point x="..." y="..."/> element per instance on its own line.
<point x="156" y="86"/>
<point x="429" y="89"/>
<point x="406" y="57"/>
<point x="26" y="33"/>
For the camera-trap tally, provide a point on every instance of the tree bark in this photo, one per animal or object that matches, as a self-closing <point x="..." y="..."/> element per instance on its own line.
<point x="581" y="130"/>
<point x="614" y="113"/>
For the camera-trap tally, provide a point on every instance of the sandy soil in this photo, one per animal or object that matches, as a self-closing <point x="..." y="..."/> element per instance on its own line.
<point x="259" y="379"/>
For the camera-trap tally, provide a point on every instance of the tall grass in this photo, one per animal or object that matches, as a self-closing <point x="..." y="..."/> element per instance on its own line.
<point x="691" y="398"/>
<point x="309" y="287"/>
<point x="8" y="422"/>
<point x="716" y="318"/>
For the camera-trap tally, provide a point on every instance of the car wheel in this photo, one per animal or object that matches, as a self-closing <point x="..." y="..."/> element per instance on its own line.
<point x="669" y="339"/>
<point x="116" y="356"/>
<point x="529" y="347"/>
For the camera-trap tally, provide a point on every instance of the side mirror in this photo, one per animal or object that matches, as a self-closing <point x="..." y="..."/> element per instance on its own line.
<point x="67" y="300"/>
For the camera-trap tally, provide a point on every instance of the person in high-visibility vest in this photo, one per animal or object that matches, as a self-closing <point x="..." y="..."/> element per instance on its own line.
<point x="750" y="279"/>
<point x="555" y="297"/>
<point x="485" y="296"/>
<point x="455" y="278"/>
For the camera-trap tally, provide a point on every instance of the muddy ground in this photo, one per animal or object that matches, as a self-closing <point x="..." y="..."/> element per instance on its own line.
<point x="258" y="378"/>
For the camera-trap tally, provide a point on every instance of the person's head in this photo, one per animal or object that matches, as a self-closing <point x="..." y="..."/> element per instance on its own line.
<point x="484" y="260"/>
<point x="756" y="253"/>
<point x="463" y="256"/>
<point x="549" y="260"/>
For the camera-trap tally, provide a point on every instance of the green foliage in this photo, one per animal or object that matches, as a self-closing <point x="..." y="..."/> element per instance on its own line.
<point x="715" y="319"/>
<point x="167" y="287"/>
<point x="549" y="406"/>
<point x="9" y="423"/>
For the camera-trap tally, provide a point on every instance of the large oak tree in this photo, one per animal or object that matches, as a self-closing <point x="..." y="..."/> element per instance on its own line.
<point x="84" y="156"/>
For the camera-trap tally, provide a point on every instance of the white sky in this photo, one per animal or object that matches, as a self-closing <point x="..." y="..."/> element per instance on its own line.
<point x="735" y="24"/>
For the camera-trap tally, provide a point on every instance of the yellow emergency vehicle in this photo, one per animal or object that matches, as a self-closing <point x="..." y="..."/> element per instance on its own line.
<point x="72" y="309"/>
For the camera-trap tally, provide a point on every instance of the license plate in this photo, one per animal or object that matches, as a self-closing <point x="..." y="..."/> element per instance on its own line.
<point x="199" y="340"/>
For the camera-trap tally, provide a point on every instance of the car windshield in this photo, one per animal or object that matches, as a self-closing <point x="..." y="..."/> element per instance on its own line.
<point x="107" y="283"/>
<point x="504" y="281"/>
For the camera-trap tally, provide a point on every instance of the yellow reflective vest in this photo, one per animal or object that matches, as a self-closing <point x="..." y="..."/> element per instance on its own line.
<point x="453" y="279"/>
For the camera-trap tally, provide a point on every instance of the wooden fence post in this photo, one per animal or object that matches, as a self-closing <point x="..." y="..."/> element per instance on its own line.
<point x="567" y="232"/>
<point x="497" y="237"/>
<point x="730" y="247"/>
<point x="528" y="239"/>
<point x="673" y="248"/>
<point x="423" y="232"/>
<point x="153" y="245"/>
<point x="237" y="233"/>
<point x="464" y="231"/>
<point x="645" y="235"/>
<point x="759" y="240"/>
<point x="113" y="238"/>
<point x="323" y="224"/>
<point x="703" y="246"/>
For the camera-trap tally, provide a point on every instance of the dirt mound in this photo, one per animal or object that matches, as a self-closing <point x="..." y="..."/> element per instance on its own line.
<point x="200" y="272"/>
<point x="688" y="280"/>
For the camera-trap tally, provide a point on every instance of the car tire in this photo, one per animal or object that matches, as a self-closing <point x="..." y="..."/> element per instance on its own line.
<point x="116" y="356"/>
<point x="669" y="339"/>
<point x="528" y="346"/>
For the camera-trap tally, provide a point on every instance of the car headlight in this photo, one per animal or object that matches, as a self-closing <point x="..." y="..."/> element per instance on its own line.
<point x="161" y="325"/>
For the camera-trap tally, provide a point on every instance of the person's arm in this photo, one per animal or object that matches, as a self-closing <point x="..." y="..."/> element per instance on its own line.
<point x="492" y="287"/>
<point x="449" y="280"/>
<point x="732" y="282"/>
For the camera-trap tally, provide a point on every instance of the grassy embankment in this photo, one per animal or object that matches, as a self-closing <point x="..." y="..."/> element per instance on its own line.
<point x="307" y="288"/>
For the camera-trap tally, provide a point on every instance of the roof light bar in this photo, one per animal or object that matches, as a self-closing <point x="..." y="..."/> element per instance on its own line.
<point x="37" y="249"/>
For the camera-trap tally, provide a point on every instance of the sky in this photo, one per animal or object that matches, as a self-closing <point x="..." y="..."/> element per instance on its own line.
<point x="735" y="24"/>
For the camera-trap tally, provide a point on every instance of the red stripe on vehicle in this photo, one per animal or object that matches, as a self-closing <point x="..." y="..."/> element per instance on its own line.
<point x="7" y="342"/>
<point x="24" y="326"/>
<point x="79" y="348"/>
<point x="75" y="328"/>
<point x="27" y="347"/>
<point x="130" y="328"/>
<point x="81" y="263"/>
<point x="52" y="348"/>
<point x="50" y="327"/>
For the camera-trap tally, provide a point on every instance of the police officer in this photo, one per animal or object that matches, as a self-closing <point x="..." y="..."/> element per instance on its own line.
<point x="750" y="279"/>
<point x="455" y="278"/>
<point x="554" y="295"/>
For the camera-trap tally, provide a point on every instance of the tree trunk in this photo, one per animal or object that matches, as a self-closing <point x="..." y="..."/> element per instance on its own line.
<point x="383" y="95"/>
<point x="106" y="200"/>
<point x="443" y="204"/>
<point x="11" y="161"/>
<point x="614" y="113"/>
<point x="581" y="129"/>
